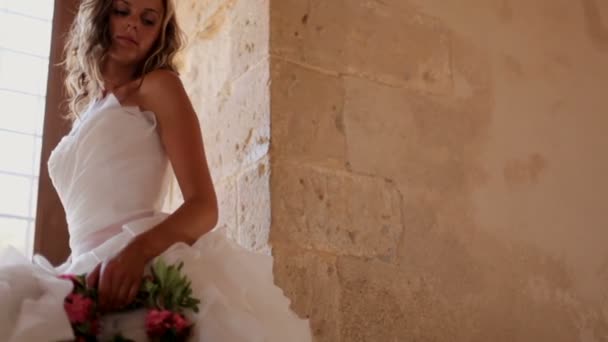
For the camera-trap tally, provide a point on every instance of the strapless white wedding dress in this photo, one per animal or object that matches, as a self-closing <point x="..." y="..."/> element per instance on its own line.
<point x="111" y="174"/>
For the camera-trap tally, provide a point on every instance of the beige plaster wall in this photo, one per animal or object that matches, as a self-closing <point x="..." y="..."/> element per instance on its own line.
<point x="225" y="69"/>
<point x="438" y="168"/>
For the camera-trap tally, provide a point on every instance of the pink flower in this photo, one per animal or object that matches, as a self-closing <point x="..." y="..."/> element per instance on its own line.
<point x="180" y="323"/>
<point x="158" y="322"/>
<point x="78" y="307"/>
<point x="71" y="277"/>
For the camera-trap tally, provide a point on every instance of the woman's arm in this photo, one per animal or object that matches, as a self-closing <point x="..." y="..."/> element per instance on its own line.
<point x="163" y="93"/>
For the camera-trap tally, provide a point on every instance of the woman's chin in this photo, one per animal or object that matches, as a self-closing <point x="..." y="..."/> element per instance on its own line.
<point x="123" y="58"/>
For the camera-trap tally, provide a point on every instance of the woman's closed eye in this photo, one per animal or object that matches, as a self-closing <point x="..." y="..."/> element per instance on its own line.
<point x="121" y="12"/>
<point x="148" y="22"/>
<point x="124" y="13"/>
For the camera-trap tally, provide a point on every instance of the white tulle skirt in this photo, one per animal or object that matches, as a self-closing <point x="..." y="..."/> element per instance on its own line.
<point x="239" y="300"/>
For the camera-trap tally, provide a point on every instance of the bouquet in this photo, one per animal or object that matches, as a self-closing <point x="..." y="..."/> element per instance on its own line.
<point x="165" y="294"/>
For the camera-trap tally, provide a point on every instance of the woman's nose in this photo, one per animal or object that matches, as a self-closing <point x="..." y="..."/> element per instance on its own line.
<point x="132" y="23"/>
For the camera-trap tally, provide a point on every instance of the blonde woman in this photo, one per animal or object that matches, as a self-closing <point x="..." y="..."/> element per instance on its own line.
<point x="132" y="123"/>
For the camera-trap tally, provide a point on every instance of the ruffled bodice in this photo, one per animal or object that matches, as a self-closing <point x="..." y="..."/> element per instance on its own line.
<point x="109" y="168"/>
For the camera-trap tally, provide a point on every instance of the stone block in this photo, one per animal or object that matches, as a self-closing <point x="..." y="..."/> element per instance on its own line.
<point x="332" y="212"/>
<point x="419" y="141"/>
<point x="239" y="127"/>
<point x="380" y="130"/>
<point x="226" y="74"/>
<point x="381" y="303"/>
<point x="389" y="43"/>
<point x="226" y="39"/>
<point x="253" y="207"/>
<point x="307" y="122"/>
<point x="227" y="200"/>
<point x="250" y="32"/>
<point x="205" y="61"/>
<point x="311" y="282"/>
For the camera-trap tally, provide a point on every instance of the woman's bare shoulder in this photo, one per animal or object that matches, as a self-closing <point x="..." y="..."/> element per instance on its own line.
<point x="160" y="83"/>
<point x="163" y="92"/>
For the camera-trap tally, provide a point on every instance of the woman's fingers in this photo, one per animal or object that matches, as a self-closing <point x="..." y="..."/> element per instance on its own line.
<point x="105" y="287"/>
<point x="114" y="300"/>
<point x="117" y="281"/>
<point x="133" y="292"/>
<point x="122" y="293"/>
<point x="93" y="277"/>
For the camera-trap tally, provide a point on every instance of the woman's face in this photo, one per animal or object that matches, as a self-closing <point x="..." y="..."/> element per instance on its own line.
<point x="134" y="27"/>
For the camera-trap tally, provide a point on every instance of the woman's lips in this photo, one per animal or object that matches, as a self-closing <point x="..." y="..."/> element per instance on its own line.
<point x="127" y="40"/>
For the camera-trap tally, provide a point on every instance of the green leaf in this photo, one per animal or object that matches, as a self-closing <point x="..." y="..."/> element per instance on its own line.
<point x="169" y="289"/>
<point x="120" y="338"/>
<point x="82" y="328"/>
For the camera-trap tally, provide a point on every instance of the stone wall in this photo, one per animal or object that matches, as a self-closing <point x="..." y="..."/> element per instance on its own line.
<point x="438" y="168"/>
<point x="225" y="69"/>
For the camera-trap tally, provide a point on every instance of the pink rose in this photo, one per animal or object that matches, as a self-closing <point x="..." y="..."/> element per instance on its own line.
<point x="71" y="277"/>
<point x="78" y="307"/>
<point x="158" y="322"/>
<point x="180" y="323"/>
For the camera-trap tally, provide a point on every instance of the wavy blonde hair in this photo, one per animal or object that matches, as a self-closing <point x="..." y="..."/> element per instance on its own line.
<point x="87" y="47"/>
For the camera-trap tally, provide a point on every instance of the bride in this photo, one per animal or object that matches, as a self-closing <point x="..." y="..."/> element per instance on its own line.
<point x="132" y="122"/>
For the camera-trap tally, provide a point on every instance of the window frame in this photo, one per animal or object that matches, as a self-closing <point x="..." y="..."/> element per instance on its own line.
<point x="51" y="233"/>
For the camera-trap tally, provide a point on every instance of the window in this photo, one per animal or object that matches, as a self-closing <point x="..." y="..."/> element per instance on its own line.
<point x="25" y="33"/>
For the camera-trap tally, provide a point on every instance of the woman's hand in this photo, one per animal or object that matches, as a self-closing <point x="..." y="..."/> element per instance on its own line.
<point x="118" y="279"/>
